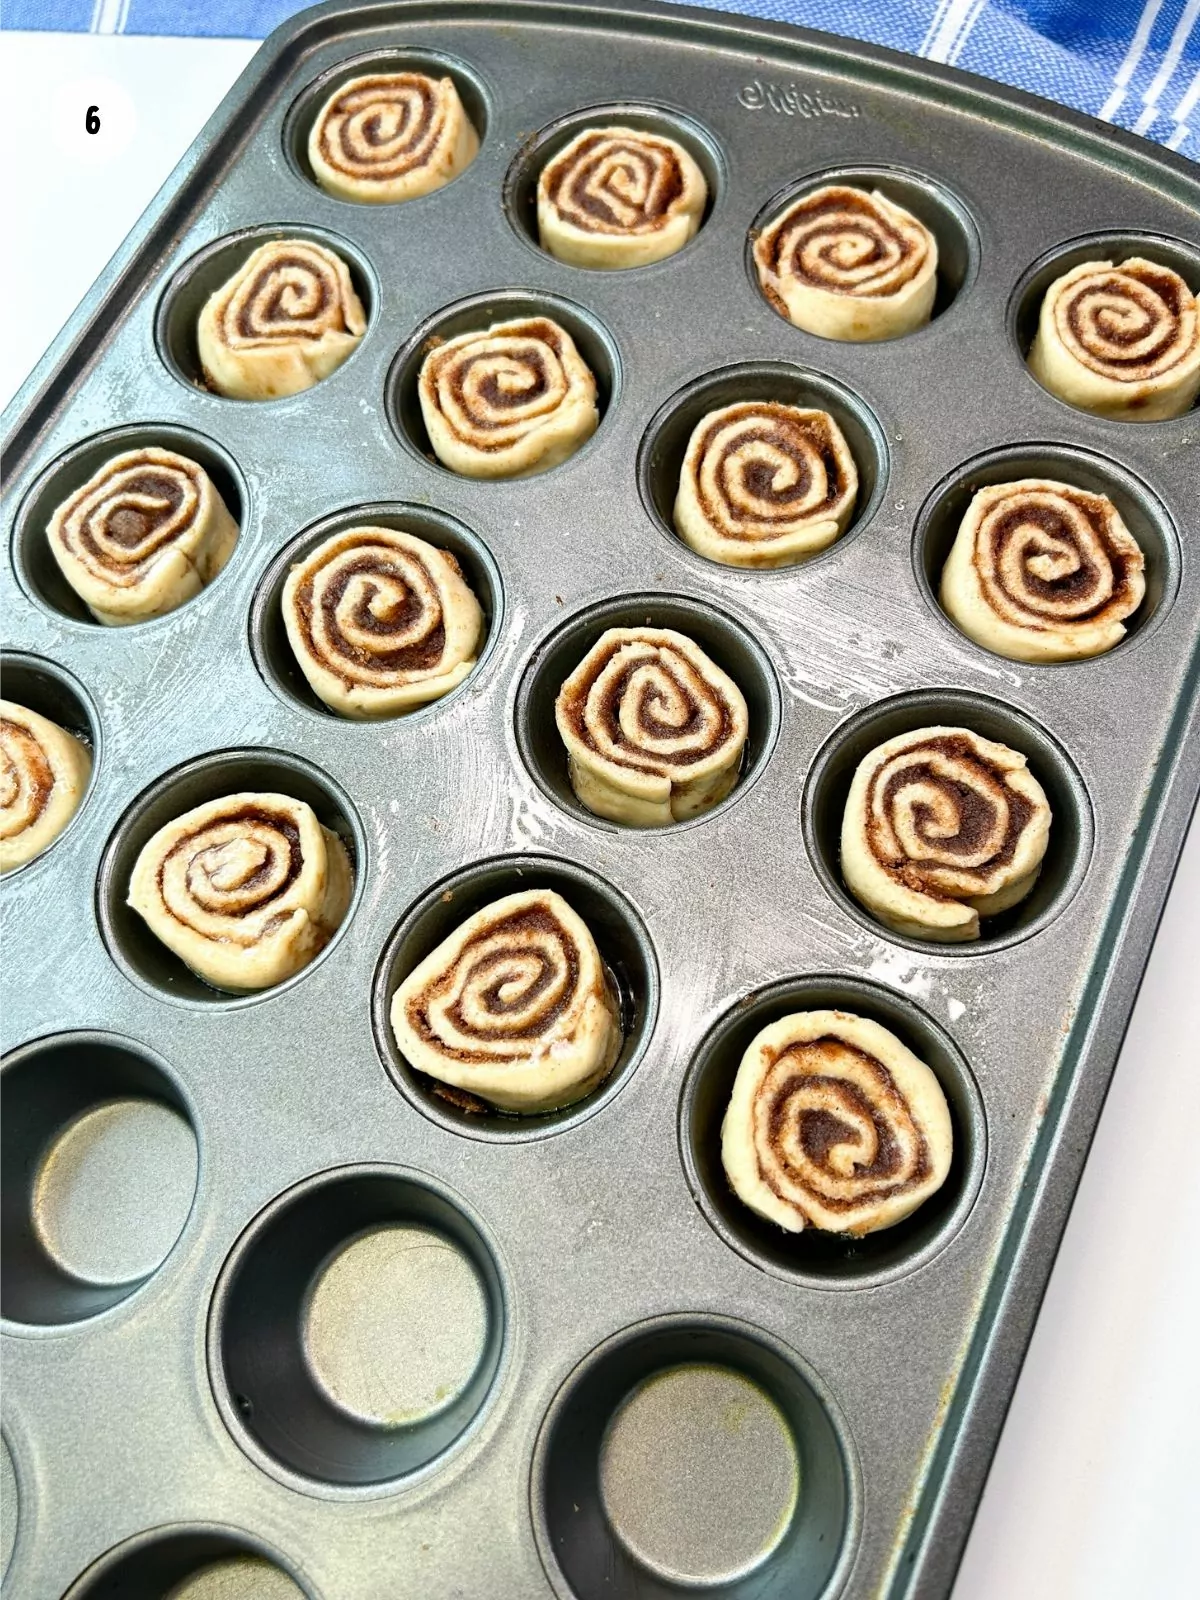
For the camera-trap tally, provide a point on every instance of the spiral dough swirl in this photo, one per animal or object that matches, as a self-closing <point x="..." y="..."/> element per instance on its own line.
<point x="654" y="729"/>
<point x="1042" y="571"/>
<point x="942" y="827"/>
<point x="834" y="1124"/>
<point x="246" y="889"/>
<point x="146" y="532"/>
<point x="765" y="484"/>
<point x="619" y="197"/>
<point x="44" y="774"/>
<point x="514" y="1007"/>
<point x="509" y="401"/>
<point x="391" y="136"/>
<point x="1123" y="341"/>
<point x="287" y="318"/>
<point x="380" y="621"/>
<point x="848" y="265"/>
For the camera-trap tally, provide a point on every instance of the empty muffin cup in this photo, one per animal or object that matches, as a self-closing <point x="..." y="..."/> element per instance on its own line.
<point x="356" y="1330"/>
<point x="100" y="1166"/>
<point x="693" y="1455"/>
<point x="200" y="1562"/>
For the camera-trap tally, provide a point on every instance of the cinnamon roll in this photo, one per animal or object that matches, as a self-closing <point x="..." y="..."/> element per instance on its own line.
<point x="391" y="136"/>
<point x="381" y="622"/>
<point x="245" y="890"/>
<point x="514" y="1007"/>
<point x="765" y="485"/>
<point x="1042" y="571"/>
<point x="942" y="827"/>
<point x="287" y="318"/>
<point x="654" y="730"/>
<point x="849" y="265"/>
<point x="1121" y="341"/>
<point x="44" y="774"/>
<point x="619" y="197"/>
<point x="146" y="532"/>
<point x="508" y="401"/>
<point x="834" y="1124"/>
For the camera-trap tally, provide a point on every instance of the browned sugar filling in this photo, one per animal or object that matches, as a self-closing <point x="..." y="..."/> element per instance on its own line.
<point x="785" y="433"/>
<point x="344" y="154"/>
<point x="192" y="844"/>
<point x="485" y="976"/>
<point x="574" y="708"/>
<point x="821" y="1130"/>
<point x="568" y="182"/>
<point x="497" y="400"/>
<point x="128" y="525"/>
<point x="264" y="314"/>
<point x="975" y="812"/>
<point x="38" y="773"/>
<point x="1057" y="527"/>
<point x="419" y="656"/>
<point x="1116" y="331"/>
<point x="782" y="251"/>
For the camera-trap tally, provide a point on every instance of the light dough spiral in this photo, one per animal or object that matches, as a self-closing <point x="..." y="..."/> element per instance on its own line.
<point x="834" y="1124"/>
<point x="654" y="730"/>
<point x="765" y="484"/>
<point x="44" y="774"/>
<point x="508" y="401"/>
<point x="619" y="197"/>
<point x="1120" y="341"/>
<point x="287" y="318"/>
<point x="391" y="136"/>
<point x="1042" y="571"/>
<point x="515" y="1007"/>
<point x="245" y="890"/>
<point x="380" y="621"/>
<point x="942" y="827"/>
<point x="146" y="532"/>
<point x="849" y="265"/>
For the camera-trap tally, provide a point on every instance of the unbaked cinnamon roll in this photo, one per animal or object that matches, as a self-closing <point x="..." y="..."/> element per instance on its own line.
<point x="1121" y="341"/>
<point x="391" y="136"/>
<point x="941" y="828"/>
<point x="849" y="265"/>
<point x="654" y="729"/>
<point x="509" y="401"/>
<point x="381" y="622"/>
<point x="834" y="1124"/>
<point x="245" y="890"/>
<point x="765" y="484"/>
<point x="287" y="318"/>
<point x="514" y="1007"/>
<point x="146" y="532"/>
<point x="1042" y="571"/>
<point x="44" y="774"/>
<point x="619" y="197"/>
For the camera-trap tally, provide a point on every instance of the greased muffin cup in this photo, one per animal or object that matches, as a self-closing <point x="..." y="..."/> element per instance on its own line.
<point x="349" y="1326"/>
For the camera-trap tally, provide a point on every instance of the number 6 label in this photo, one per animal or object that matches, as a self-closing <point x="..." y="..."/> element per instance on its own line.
<point x="94" y="120"/>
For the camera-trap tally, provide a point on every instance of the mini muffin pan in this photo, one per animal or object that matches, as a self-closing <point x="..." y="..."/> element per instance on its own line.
<point x="278" y="1318"/>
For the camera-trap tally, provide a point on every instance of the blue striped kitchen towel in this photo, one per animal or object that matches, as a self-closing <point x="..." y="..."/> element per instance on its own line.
<point x="1132" y="62"/>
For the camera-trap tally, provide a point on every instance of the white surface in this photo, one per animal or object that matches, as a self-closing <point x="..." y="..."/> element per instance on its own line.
<point x="1098" y="1468"/>
<point x="65" y="217"/>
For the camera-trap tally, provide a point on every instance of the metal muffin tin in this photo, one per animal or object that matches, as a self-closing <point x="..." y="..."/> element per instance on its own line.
<point x="157" y="1419"/>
